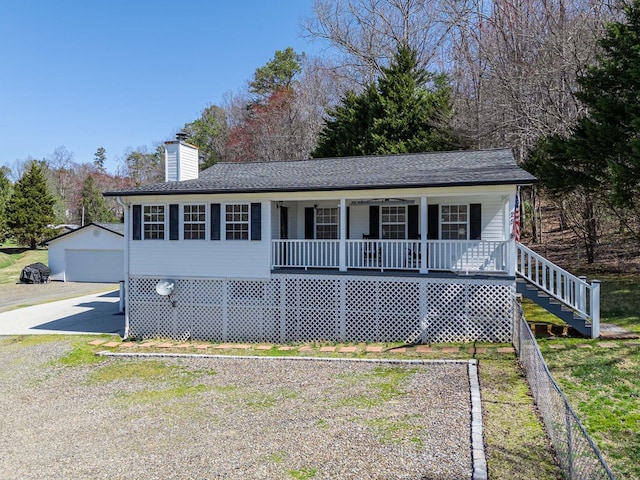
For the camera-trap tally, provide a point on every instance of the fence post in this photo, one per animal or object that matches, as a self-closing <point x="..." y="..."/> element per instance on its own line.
<point x="520" y="320"/>
<point x="595" y="308"/>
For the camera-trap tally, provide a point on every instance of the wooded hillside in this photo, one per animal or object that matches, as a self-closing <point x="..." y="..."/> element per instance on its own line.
<point x="479" y="74"/>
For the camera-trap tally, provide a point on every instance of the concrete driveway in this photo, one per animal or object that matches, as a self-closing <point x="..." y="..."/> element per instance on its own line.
<point x="89" y="314"/>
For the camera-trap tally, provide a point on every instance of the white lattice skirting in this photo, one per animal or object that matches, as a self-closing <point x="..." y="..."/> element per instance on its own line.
<point x="299" y="308"/>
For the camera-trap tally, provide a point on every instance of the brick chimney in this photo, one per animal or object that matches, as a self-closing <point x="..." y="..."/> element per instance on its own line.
<point x="180" y="160"/>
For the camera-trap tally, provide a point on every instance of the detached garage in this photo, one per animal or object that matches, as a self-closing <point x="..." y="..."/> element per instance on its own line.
<point x="93" y="253"/>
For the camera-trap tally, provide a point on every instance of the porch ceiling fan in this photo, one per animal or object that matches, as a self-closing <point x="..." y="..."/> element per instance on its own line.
<point x="382" y="201"/>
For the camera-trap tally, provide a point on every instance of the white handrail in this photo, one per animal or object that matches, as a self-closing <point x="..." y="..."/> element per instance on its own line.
<point x="572" y="291"/>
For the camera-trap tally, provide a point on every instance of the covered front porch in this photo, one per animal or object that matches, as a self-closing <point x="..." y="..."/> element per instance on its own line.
<point x="470" y="256"/>
<point x="465" y="232"/>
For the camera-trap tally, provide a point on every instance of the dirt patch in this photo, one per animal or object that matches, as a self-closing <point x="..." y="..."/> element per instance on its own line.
<point x="616" y="252"/>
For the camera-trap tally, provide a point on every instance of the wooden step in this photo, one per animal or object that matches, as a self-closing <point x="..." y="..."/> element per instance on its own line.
<point x="553" y="306"/>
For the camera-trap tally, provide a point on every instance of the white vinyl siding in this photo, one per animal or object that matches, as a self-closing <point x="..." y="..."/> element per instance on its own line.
<point x="203" y="259"/>
<point x="181" y="162"/>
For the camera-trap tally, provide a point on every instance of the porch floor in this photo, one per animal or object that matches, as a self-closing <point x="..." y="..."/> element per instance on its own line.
<point x="392" y="273"/>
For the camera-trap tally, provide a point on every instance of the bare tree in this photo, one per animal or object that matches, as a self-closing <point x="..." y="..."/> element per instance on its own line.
<point x="515" y="66"/>
<point x="144" y="167"/>
<point x="60" y="177"/>
<point x="284" y="124"/>
<point x="18" y="167"/>
<point x="366" y="33"/>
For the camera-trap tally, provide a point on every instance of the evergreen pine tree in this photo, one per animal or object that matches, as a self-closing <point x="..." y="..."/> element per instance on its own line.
<point x="30" y="208"/>
<point x="611" y="91"/>
<point x="407" y="110"/>
<point x="349" y="133"/>
<point x="99" y="158"/>
<point x="602" y="153"/>
<point x="94" y="208"/>
<point x="5" y="194"/>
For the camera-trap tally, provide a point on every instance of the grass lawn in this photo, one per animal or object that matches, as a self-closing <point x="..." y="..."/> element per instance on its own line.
<point x="14" y="259"/>
<point x="603" y="384"/>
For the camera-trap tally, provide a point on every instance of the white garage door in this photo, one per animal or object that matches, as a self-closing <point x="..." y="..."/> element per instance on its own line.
<point x="94" y="265"/>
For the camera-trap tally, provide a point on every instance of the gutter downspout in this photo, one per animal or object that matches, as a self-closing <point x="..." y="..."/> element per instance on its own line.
<point x="126" y="206"/>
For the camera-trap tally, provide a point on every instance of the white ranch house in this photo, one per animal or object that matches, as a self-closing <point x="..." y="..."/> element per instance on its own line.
<point x="414" y="247"/>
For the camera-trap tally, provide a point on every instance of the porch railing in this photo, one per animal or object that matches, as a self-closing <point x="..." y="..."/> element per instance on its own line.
<point x="574" y="292"/>
<point x="305" y="253"/>
<point x="468" y="255"/>
<point x="383" y="254"/>
<point x="448" y="255"/>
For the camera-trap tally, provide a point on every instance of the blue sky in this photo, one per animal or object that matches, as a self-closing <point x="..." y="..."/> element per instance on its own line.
<point x="85" y="74"/>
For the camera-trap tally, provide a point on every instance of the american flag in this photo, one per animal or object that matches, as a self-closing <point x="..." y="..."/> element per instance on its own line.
<point x="516" y="218"/>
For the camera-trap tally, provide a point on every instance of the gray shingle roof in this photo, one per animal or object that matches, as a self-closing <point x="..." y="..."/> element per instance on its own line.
<point x="435" y="169"/>
<point x="114" y="227"/>
<point x="117" y="228"/>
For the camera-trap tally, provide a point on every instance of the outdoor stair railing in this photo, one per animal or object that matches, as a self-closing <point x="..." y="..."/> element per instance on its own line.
<point x="575" y="292"/>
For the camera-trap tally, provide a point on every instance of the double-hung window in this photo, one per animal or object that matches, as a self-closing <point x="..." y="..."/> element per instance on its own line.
<point x="194" y="222"/>
<point x="237" y="221"/>
<point x="326" y="223"/>
<point x="153" y="222"/>
<point x="393" y="222"/>
<point x="454" y="222"/>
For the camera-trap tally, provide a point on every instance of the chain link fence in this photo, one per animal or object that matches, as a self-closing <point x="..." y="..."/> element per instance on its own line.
<point x="577" y="455"/>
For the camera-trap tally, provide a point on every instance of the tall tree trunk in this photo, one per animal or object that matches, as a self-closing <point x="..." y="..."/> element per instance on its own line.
<point x="534" y="215"/>
<point x="591" y="227"/>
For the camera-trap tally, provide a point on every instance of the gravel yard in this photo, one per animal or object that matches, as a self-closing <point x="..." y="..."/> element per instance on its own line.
<point x="229" y="418"/>
<point x="15" y="295"/>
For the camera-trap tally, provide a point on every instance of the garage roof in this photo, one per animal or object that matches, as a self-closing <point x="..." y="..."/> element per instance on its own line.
<point x="117" y="228"/>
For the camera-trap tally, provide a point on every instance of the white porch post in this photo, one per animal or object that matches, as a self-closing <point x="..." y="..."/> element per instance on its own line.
<point x="594" y="304"/>
<point x="342" y="248"/>
<point x="127" y="238"/>
<point x="510" y="205"/>
<point x="266" y="219"/>
<point x="423" y="235"/>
